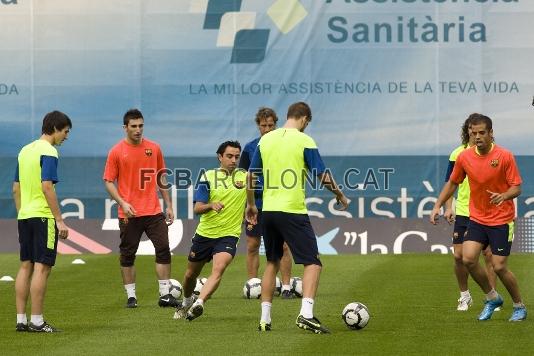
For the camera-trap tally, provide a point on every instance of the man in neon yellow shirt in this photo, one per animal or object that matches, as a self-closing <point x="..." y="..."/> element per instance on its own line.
<point x="219" y="198"/>
<point x="285" y="156"/>
<point x="460" y="217"/>
<point x="39" y="219"/>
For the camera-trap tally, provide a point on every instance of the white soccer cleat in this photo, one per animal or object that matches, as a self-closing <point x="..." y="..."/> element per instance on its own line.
<point x="464" y="303"/>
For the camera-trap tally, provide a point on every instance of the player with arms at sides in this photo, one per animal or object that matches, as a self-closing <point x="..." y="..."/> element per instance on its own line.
<point x="460" y="216"/>
<point x="266" y="120"/>
<point x="494" y="182"/>
<point x="132" y="177"/>
<point x="219" y="199"/>
<point x="39" y="219"/>
<point x="284" y="157"/>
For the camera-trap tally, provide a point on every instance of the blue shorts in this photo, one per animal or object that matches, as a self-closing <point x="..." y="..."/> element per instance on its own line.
<point x="254" y="230"/>
<point x="460" y="229"/>
<point x="204" y="248"/>
<point x="38" y="240"/>
<point x="296" y="230"/>
<point x="499" y="237"/>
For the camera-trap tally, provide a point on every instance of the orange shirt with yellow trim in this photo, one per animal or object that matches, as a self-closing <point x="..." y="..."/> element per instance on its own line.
<point x="495" y="172"/>
<point x="135" y="168"/>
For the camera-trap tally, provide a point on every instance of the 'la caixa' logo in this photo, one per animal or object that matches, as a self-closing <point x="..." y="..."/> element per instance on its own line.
<point x="237" y="29"/>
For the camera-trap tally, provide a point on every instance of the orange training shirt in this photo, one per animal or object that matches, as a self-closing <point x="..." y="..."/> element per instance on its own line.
<point x="135" y="167"/>
<point x="496" y="172"/>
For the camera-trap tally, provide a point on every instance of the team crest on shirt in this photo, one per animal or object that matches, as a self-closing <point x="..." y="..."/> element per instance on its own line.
<point x="494" y="163"/>
<point x="148" y="152"/>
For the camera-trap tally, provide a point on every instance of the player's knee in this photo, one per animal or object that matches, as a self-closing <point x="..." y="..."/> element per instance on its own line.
<point x="469" y="262"/>
<point x="253" y="245"/>
<point x="458" y="258"/>
<point x="500" y="267"/>
<point x="163" y="256"/>
<point x="127" y="260"/>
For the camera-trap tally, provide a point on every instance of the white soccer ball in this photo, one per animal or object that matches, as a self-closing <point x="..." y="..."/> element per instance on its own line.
<point x="175" y="288"/>
<point x="252" y="289"/>
<point x="355" y="315"/>
<point x="296" y="286"/>
<point x="278" y="287"/>
<point x="200" y="284"/>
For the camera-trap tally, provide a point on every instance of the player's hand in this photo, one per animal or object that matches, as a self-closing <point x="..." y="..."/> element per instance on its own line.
<point x="128" y="210"/>
<point x="63" y="230"/>
<point x="434" y="216"/>
<point x="217" y="206"/>
<point x="449" y="216"/>
<point x="495" y="198"/>
<point x="169" y="216"/>
<point x="251" y="214"/>
<point x="343" y="201"/>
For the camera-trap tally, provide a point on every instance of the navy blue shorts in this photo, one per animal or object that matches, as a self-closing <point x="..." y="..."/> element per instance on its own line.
<point x="254" y="230"/>
<point x="204" y="248"/>
<point x="460" y="229"/>
<point x="499" y="237"/>
<point x="296" y="230"/>
<point x="38" y="240"/>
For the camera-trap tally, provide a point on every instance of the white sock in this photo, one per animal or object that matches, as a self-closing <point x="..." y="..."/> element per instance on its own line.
<point x="130" y="290"/>
<point x="491" y="295"/>
<point x="306" y="309"/>
<point x="266" y="312"/>
<point x="164" y="285"/>
<point x="286" y="287"/>
<point x="187" y="301"/>
<point x="516" y="305"/>
<point x="465" y="294"/>
<point x="37" y="320"/>
<point x="199" y="302"/>
<point x="22" y="319"/>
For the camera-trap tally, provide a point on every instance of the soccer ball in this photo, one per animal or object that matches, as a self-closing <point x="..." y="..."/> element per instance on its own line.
<point x="355" y="315"/>
<point x="252" y="289"/>
<point x="278" y="287"/>
<point x="296" y="286"/>
<point x="200" y="284"/>
<point x="175" y="288"/>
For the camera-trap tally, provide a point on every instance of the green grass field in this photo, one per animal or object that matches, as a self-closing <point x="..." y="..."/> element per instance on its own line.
<point x="412" y="300"/>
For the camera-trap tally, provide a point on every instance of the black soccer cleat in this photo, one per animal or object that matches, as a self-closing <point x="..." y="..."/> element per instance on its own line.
<point x="44" y="328"/>
<point x="287" y="294"/>
<point x="194" y="312"/>
<point x="131" y="303"/>
<point x="312" y="324"/>
<point x="168" y="300"/>
<point x="21" y="327"/>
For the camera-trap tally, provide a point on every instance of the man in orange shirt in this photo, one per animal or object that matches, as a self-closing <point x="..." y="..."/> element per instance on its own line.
<point x="136" y="164"/>
<point x="494" y="181"/>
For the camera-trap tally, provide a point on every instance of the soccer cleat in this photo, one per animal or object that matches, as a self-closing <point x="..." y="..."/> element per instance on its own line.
<point x="287" y="294"/>
<point x="489" y="308"/>
<point x="464" y="303"/>
<point x="194" y="312"/>
<point x="312" y="324"/>
<point x="131" y="303"/>
<point x="264" y="326"/>
<point x="21" y="327"/>
<point x="167" y="301"/>
<point x="44" y="328"/>
<point x="519" y="314"/>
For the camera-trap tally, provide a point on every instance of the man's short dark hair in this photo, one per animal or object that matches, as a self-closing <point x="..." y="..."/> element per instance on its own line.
<point x="264" y="113"/>
<point x="55" y="120"/>
<point x="132" y="114"/>
<point x="222" y="147"/>
<point x="477" y="119"/>
<point x="298" y="110"/>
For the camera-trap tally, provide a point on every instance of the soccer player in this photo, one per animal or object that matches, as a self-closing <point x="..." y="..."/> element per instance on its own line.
<point x="284" y="156"/>
<point x="136" y="165"/>
<point x="219" y="199"/>
<point x="266" y="120"/>
<point x="494" y="182"/>
<point x="460" y="217"/>
<point x="39" y="219"/>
